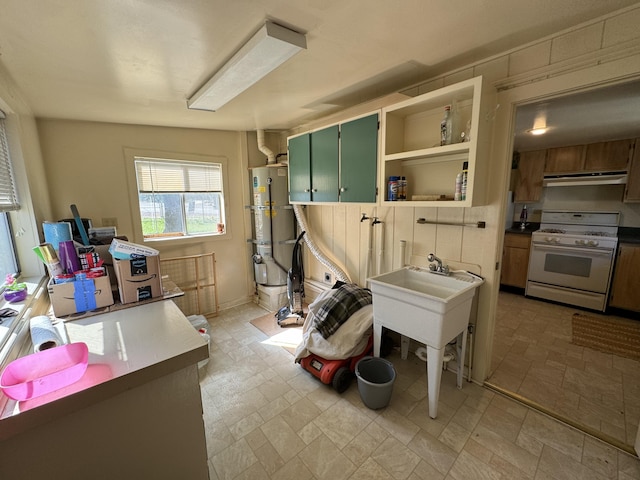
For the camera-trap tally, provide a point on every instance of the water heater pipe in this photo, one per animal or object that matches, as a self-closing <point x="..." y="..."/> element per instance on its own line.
<point x="271" y="158"/>
<point x="337" y="271"/>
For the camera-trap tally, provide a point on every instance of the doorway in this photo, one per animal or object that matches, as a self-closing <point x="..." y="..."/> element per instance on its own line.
<point x="533" y="358"/>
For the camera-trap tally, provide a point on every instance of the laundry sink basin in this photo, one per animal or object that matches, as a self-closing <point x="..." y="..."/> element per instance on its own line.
<point x="423" y="305"/>
<point x="430" y="308"/>
<point x="422" y="287"/>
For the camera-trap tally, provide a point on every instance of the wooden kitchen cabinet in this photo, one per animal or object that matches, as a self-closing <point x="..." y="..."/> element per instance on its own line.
<point x="515" y="260"/>
<point x="565" y="159"/>
<point x="632" y="190"/>
<point x="529" y="176"/>
<point x="626" y="281"/>
<point x="608" y="156"/>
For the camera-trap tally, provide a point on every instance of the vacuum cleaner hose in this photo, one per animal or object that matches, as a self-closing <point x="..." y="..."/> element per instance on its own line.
<point x="337" y="271"/>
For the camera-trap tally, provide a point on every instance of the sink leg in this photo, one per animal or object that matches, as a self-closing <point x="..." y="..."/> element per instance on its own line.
<point x="377" y="339"/>
<point x="434" y="374"/>
<point x="461" y="348"/>
<point x="404" y="346"/>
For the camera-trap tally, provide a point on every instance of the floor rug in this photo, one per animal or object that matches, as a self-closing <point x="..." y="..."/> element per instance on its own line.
<point x="287" y="337"/>
<point x="611" y="335"/>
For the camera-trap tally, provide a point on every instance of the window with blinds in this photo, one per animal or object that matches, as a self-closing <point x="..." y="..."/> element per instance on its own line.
<point x="179" y="198"/>
<point x="8" y="195"/>
<point x="8" y="202"/>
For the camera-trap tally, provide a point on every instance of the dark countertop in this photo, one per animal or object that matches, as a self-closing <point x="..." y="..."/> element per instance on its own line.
<point x="530" y="228"/>
<point x="629" y="235"/>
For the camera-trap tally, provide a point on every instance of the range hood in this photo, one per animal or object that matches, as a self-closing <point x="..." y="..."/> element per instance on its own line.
<point x="580" y="179"/>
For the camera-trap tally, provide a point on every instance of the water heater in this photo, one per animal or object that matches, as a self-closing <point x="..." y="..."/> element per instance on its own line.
<point x="274" y="224"/>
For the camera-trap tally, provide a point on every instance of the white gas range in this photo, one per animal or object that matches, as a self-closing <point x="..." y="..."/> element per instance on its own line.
<point x="571" y="259"/>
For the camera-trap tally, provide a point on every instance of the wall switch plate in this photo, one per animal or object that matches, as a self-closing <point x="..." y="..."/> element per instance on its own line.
<point x="327" y="278"/>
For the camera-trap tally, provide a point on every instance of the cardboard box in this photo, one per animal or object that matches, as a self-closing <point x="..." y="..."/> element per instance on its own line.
<point x="123" y="250"/>
<point x="80" y="296"/>
<point x="107" y="261"/>
<point x="138" y="278"/>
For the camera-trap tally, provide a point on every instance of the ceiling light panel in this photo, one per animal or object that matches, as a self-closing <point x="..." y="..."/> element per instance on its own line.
<point x="269" y="48"/>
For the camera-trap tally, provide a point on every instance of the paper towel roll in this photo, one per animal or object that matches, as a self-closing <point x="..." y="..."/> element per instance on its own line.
<point x="43" y="334"/>
<point x="54" y="233"/>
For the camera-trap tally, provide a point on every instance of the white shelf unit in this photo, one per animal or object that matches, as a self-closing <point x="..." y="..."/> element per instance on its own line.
<point x="411" y="146"/>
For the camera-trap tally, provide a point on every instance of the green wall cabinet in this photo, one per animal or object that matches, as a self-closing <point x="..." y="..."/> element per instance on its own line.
<point x="335" y="164"/>
<point x="300" y="168"/>
<point x="359" y="160"/>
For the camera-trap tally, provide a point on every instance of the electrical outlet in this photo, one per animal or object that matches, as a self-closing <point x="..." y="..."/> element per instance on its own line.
<point x="327" y="277"/>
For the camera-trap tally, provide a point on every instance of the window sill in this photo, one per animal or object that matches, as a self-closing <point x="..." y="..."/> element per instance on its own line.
<point x="13" y="329"/>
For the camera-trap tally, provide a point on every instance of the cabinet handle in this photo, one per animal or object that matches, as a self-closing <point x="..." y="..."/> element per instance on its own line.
<point x="343" y="189"/>
<point x="314" y="190"/>
<point x="306" y="190"/>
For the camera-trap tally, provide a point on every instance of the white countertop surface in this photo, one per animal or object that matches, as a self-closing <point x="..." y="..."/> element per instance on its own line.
<point x="126" y="349"/>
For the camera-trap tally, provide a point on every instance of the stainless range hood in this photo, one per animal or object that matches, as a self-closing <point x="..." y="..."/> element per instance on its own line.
<point x="581" y="179"/>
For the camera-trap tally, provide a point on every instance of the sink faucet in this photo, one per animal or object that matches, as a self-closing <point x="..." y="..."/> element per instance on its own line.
<point x="439" y="268"/>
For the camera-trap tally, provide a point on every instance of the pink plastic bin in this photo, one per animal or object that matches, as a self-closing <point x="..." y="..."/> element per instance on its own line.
<point x="45" y="371"/>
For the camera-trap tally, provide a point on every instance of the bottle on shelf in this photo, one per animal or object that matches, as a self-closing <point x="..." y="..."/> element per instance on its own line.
<point x="523" y="218"/>
<point x="402" y="188"/>
<point x="446" y="127"/>
<point x="458" y="192"/>
<point x="463" y="187"/>
<point x="393" y="187"/>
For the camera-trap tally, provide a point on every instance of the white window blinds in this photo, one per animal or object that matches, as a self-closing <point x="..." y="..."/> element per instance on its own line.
<point x="8" y="195"/>
<point x="166" y="176"/>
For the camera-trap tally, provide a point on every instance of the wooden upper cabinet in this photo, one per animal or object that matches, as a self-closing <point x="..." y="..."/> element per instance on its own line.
<point x="529" y="176"/>
<point x="632" y="190"/>
<point x="608" y="156"/>
<point x="565" y="159"/>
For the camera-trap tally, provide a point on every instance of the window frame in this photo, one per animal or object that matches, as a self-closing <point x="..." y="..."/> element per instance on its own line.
<point x="131" y="154"/>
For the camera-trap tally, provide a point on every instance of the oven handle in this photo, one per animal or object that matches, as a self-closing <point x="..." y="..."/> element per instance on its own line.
<point x="540" y="246"/>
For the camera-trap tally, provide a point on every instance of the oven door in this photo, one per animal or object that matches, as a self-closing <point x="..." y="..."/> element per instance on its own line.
<point x="586" y="269"/>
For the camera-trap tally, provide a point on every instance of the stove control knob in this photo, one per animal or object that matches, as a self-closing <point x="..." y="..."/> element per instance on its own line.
<point x="580" y="242"/>
<point x="592" y="243"/>
<point x="556" y="240"/>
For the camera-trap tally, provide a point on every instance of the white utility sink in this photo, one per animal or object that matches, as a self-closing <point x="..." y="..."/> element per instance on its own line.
<point x="430" y="308"/>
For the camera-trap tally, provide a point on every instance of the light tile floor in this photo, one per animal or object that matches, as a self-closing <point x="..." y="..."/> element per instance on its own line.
<point x="266" y="418"/>
<point x="533" y="356"/>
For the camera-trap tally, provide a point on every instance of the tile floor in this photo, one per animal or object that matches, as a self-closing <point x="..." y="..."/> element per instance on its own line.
<point x="266" y="418"/>
<point x="533" y="356"/>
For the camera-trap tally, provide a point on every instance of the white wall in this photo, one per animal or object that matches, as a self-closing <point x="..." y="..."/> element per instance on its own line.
<point x="86" y="165"/>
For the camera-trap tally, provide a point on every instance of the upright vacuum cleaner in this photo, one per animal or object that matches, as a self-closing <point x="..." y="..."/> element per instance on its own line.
<point x="293" y="313"/>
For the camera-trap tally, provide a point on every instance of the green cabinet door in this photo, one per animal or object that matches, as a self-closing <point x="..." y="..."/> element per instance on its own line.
<point x="324" y="165"/>
<point x="300" y="168"/>
<point x="359" y="160"/>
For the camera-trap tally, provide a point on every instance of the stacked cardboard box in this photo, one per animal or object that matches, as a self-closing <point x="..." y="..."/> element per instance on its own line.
<point x="137" y="270"/>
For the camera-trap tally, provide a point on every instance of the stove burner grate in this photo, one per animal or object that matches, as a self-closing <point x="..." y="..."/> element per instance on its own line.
<point x="552" y="230"/>
<point x="597" y="234"/>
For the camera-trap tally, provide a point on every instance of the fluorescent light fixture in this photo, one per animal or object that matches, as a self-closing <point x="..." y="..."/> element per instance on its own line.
<point x="269" y="48"/>
<point x="538" y="131"/>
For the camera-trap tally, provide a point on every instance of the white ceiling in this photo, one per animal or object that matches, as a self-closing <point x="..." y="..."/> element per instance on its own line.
<point x="596" y="115"/>
<point x="137" y="61"/>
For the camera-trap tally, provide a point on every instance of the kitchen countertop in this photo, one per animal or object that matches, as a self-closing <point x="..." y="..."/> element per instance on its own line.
<point x="629" y="235"/>
<point x="530" y="228"/>
<point x="127" y="348"/>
